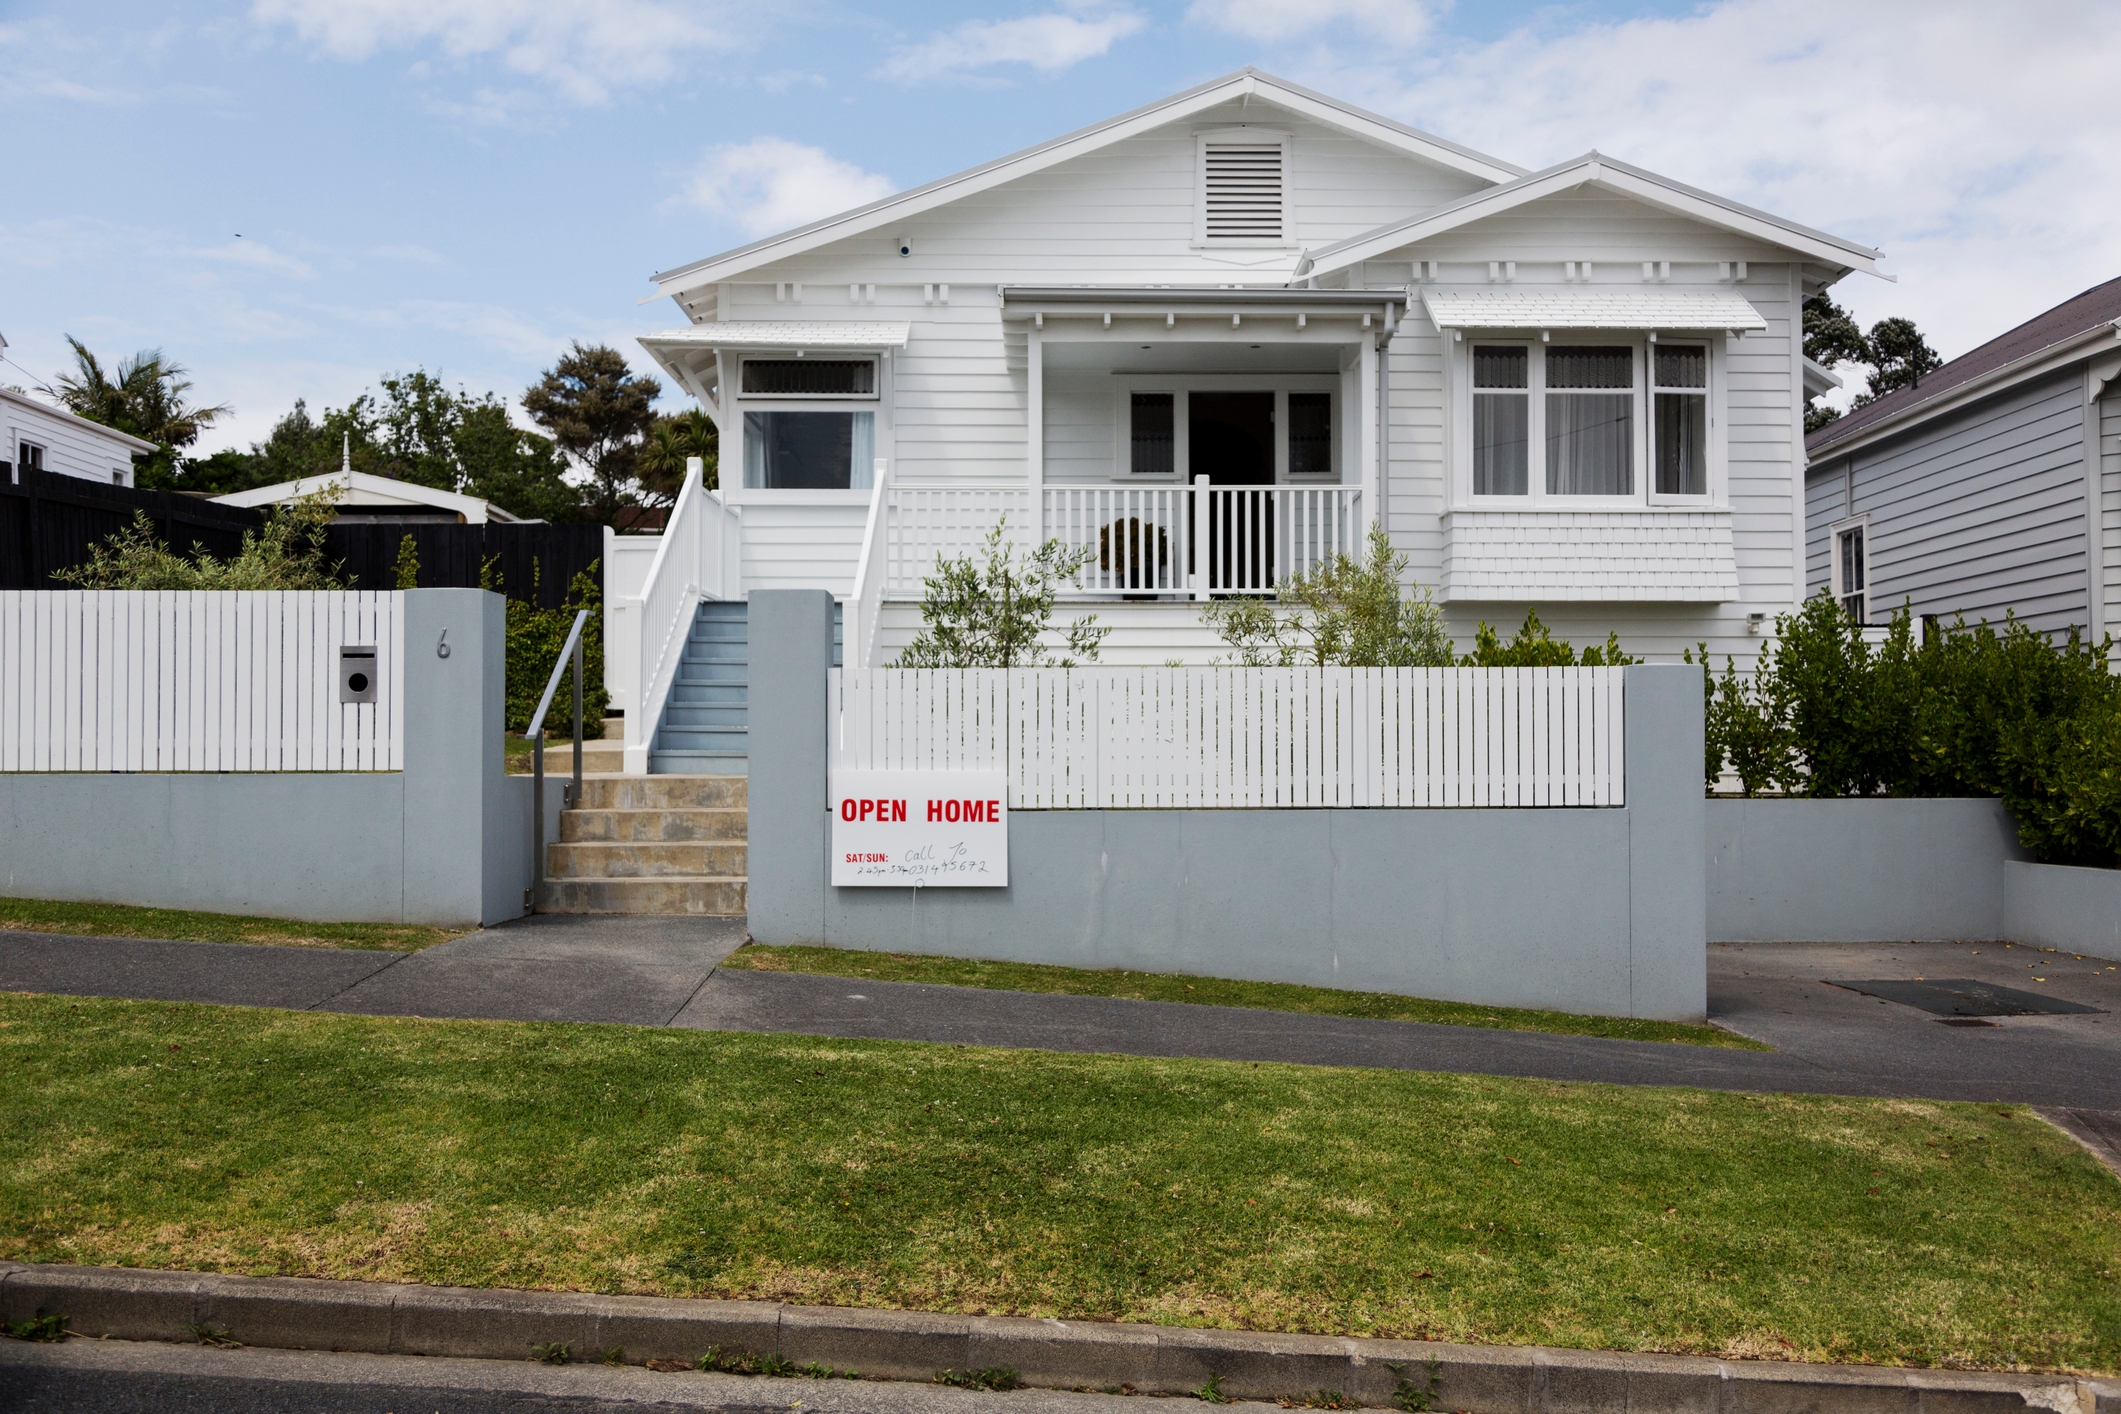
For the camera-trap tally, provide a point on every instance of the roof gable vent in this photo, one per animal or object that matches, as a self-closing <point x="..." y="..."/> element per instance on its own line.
<point x="1243" y="194"/>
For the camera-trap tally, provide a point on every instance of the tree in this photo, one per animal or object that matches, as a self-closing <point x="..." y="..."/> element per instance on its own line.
<point x="674" y="439"/>
<point x="996" y="614"/>
<point x="1348" y="614"/>
<point x="598" y="412"/>
<point x="145" y="396"/>
<point x="1894" y="355"/>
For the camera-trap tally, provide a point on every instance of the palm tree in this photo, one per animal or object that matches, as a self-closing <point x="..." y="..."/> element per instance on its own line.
<point x="145" y="398"/>
<point x="675" y="437"/>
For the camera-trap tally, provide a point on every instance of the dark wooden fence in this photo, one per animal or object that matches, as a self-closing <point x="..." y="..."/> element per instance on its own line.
<point x="49" y="522"/>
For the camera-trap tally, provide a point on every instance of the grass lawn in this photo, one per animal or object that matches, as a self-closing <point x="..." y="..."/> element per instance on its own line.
<point x="117" y="920"/>
<point x="1215" y="991"/>
<point x="874" y="1173"/>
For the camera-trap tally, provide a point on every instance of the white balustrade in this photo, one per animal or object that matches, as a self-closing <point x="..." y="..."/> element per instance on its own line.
<point x="1114" y="738"/>
<point x="1139" y="538"/>
<point x="137" y="680"/>
<point x="924" y="524"/>
<point x="700" y="558"/>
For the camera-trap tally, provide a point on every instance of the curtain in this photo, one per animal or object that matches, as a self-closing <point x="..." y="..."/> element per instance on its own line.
<point x="861" y="475"/>
<point x="1590" y="435"/>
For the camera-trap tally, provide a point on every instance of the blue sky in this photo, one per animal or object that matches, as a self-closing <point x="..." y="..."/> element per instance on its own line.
<point x="293" y="197"/>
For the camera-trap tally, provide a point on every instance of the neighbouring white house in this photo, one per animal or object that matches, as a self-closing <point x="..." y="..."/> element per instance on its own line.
<point x="1213" y="339"/>
<point x="36" y="436"/>
<point x="379" y="500"/>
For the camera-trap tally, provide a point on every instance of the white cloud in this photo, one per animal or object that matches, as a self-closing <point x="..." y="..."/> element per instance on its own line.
<point x="584" y="47"/>
<point x="258" y="256"/>
<point x="771" y="184"/>
<point x="1047" y="42"/>
<point x="1975" y="144"/>
<point x="1400" y="22"/>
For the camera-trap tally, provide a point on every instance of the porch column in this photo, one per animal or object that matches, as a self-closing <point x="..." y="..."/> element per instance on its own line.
<point x="1035" y="433"/>
<point x="1370" y="417"/>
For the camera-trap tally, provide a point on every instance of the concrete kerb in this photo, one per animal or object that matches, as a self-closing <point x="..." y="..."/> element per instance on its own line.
<point x="388" y="1318"/>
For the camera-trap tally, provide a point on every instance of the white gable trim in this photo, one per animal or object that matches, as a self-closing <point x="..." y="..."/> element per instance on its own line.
<point x="1246" y="83"/>
<point x="1595" y="170"/>
<point x="372" y="490"/>
<point x="779" y="334"/>
<point x="1622" y="308"/>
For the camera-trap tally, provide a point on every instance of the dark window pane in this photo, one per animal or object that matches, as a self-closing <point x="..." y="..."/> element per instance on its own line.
<point x="1682" y="366"/>
<point x="1501" y="368"/>
<point x="1310" y="434"/>
<point x="810" y="377"/>
<point x="1501" y="444"/>
<point x="1590" y="444"/>
<point x="1682" y="444"/>
<point x="1155" y="450"/>
<point x="1598" y="367"/>
<point x="799" y="451"/>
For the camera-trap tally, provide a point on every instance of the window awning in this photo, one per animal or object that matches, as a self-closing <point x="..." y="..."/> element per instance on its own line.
<point x="1591" y="309"/>
<point x="780" y="334"/>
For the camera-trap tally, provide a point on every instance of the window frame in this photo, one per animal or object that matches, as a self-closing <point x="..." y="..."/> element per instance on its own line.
<point x="876" y="379"/>
<point x="1281" y="137"/>
<point x="1710" y="440"/>
<point x="1536" y="497"/>
<point x="24" y="445"/>
<point x="1179" y="447"/>
<point x="1835" y="535"/>
<point x="1182" y="386"/>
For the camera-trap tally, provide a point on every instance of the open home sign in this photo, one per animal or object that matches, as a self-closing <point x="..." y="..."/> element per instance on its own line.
<point x="931" y="829"/>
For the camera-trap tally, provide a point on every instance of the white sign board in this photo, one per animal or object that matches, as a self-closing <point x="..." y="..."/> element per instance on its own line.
<point x="932" y="829"/>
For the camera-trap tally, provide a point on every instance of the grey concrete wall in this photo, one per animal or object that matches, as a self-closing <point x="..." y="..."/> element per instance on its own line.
<point x="2056" y="906"/>
<point x="445" y="841"/>
<point x="1856" y="871"/>
<point x="1530" y="908"/>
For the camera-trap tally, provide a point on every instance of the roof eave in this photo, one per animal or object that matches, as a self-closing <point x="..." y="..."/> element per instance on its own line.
<point x="1175" y="108"/>
<point x="137" y="444"/>
<point x="2032" y="365"/>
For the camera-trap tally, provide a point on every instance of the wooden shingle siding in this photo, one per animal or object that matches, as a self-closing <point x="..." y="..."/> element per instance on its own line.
<point x="1976" y="512"/>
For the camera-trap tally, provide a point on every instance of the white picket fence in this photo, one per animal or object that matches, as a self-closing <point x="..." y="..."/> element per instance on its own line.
<point x="147" y="681"/>
<point x="1192" y="738"/>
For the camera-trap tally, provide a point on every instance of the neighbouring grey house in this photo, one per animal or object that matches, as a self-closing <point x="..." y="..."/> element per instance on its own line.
<point x="1992" y="487"/>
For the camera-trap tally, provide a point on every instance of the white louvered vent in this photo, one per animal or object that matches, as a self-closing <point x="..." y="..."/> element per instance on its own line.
<point x="1243" y="197"/>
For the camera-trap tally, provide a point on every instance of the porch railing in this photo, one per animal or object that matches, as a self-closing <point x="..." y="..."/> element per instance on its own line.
<point x="1193" y="540"/>
<point x="698" y="559"/>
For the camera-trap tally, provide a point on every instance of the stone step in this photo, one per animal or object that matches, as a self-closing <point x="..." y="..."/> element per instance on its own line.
<point x="590" y="826"/>
<point x="602" y="756"/>
<point x="667" y="896"/>
<point x="673" y="792"/>
<point x="646" y="859"/>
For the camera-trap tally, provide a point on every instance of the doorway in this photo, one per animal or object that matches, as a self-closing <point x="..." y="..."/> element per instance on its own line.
<point x="1232" y="436"/>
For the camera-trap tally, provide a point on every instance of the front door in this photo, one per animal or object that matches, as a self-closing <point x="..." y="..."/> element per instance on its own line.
<point x="1232" y="436"/>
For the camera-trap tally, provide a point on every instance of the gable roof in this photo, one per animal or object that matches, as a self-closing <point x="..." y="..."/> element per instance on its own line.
<point x="1992" y="364"/>
<point x="364" y="490"/>
<point x="1247" y="82"/>
<point x="1592" y="168"/>
<point x="87" y="425"/>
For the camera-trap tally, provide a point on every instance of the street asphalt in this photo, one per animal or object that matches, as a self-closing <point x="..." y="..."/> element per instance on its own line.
<point x="662" y="972"/>
<point x="122" y="1377"/>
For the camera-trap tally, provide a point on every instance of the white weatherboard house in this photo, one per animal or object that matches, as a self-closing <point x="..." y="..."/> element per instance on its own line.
<point x="1215" y="338"/>
<point x="36" y="436"/>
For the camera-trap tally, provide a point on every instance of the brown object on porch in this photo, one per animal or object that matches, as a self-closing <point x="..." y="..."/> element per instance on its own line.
<point x="1123" y="550"/>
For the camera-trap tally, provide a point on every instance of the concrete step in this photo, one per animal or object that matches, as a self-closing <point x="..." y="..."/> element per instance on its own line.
<point x="665" y="792"/>
<point x="590" y="826"/>
<point x="667" y="896"/>
<point x="637" y="859"/>
<point x="559" y="757"/>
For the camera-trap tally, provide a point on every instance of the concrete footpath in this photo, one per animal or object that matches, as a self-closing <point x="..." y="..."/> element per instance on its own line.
<point x="662" y="972"/>
<point x="367" y="1339"/>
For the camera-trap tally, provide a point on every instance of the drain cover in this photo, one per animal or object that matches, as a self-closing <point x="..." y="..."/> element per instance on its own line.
<point x="1963" y="996"/>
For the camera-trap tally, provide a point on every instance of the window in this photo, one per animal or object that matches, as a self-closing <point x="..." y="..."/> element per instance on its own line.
<point x="1680" y="428"/>
<point x="809" y="378"/>
<point x="1851" y="571"/>
<point x="29" y="456"/>
<point x="1310" y="434"/>
<point x="1590" y="421"/>
<point x="1502" y="420"/>
<point x="1154" y="435"/>
<point x="809" y="451"/>
<point x="117" y="478"/>
<point x="1242" y="192"/>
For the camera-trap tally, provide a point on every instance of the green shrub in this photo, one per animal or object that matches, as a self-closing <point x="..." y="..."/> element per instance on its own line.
<point x="1348" y="614"/>
<point x="1535" y="646"/>
<point x="1966" y="712"/>
<point x="287" y="552"/>
<point x="535" y="638"/>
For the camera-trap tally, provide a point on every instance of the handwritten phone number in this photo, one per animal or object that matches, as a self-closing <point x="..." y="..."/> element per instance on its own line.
<point x="868" y="859"/>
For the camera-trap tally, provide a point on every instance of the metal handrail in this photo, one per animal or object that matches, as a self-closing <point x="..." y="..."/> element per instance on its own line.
<point x="571" y="651"/>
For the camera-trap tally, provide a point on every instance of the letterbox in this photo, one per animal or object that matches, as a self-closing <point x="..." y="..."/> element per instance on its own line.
<point x="357" y="673"/>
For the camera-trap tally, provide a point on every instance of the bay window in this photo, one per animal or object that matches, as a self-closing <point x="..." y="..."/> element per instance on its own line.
<point x="801" y="442"/>
<point x="1587" y="421"/>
